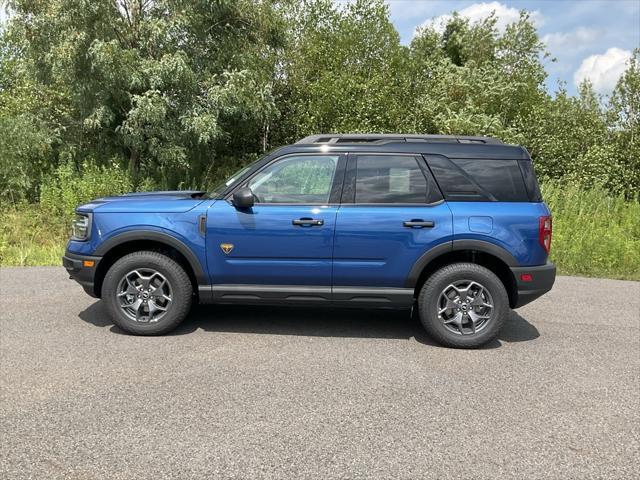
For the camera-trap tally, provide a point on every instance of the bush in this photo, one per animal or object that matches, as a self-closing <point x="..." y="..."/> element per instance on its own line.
<point x="25" y="148"/>
<point x="594" y="234"/>
<point x="69" y="187"/>
<point x="30" y="236"/>
<point x="600" y="168"/>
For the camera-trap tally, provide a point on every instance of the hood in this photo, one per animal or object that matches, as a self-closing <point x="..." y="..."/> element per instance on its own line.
<point x="165" y="201"/>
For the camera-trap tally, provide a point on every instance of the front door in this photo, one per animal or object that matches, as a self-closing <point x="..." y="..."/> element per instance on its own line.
<point x="392" y="213"/>
<point x="282" y="247"/>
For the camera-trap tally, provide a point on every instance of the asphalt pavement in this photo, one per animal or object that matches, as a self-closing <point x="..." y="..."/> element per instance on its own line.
<point x="247" y="392"/>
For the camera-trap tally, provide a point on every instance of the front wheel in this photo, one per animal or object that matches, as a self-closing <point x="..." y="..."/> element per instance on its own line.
<point x="147" y="293"/>
<point x="463" y="305"/>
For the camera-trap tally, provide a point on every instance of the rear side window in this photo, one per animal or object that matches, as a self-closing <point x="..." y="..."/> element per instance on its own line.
<point x="392" y="179"/>
<point x="479" y="180"/>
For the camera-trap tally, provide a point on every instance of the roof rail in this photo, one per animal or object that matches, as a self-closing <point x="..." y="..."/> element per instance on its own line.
<point x="375" y="138"/>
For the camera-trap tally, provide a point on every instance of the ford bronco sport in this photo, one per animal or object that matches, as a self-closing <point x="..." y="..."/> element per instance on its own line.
<point x="453" y="225"/>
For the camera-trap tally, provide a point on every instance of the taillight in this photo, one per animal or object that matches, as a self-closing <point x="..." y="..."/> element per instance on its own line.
<point x="544" y="233"/>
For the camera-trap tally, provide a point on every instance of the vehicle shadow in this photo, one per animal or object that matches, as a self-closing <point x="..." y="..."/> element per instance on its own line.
<point x="317" y="322"/>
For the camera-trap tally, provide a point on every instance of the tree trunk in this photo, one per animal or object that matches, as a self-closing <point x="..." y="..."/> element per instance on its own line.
<point x="265" y="135"/>
<point x="134" y="165"/>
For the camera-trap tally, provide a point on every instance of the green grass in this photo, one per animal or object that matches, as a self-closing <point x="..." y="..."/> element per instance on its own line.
<point x="30" y="236"/>
<point x="594" y="234"/>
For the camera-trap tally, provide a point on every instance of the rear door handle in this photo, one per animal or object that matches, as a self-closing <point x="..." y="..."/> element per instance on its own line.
<point x="307" y="222"/>
<point x="418" y="223"/>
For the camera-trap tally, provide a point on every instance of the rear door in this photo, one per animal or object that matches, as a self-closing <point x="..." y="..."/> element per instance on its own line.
<point x="391" y="213"/>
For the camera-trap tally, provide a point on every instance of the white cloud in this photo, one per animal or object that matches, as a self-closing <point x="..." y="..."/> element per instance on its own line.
<point x="603" y="70"/>
<point x="402" y="10"/>
<point x="577" y="39"/>
<point x="479" y="11"/>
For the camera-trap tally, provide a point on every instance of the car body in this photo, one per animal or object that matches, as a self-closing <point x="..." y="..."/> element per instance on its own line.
<point x="340" y="220"/>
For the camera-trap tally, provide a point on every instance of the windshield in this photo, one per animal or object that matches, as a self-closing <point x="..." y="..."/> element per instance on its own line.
<point x="220" y="187"/>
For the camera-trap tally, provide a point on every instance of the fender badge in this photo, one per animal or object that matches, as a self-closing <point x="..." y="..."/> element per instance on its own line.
<point x="226" y="247"/>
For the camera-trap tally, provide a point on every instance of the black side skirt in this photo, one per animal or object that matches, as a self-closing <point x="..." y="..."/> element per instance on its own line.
<point x="376" y="297"/>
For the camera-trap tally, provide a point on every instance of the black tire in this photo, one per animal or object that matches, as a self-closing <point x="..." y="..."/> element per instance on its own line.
<point x="435" y="285"/>
<point x="180" y="284"/>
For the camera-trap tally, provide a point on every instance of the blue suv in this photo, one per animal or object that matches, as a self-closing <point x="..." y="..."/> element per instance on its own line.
<point x="453" y="225"/>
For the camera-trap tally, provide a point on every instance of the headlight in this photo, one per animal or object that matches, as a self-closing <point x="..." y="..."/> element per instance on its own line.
<point x="81" y="227"/>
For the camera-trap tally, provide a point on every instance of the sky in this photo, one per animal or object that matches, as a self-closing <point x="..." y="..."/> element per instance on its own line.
<point x="588" y="38"/>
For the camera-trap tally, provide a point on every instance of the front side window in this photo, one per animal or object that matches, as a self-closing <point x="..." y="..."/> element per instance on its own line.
<point x="390" y="179"/>
<point x="299" y="179"/>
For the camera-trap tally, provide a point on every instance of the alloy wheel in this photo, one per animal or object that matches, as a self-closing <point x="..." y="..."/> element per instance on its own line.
<point x="465" y="307"/>
<point x="144" y="295"/>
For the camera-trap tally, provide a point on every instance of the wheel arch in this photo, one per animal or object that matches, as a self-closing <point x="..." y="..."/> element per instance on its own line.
<point x="120" y="245"/>
<point x="483" y="253"/>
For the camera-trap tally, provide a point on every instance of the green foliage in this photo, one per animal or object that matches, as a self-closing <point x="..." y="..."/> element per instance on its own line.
<point x="161" y="85"/>
<point x="594" y="234"/>
<point x="341" y="70"/>
<point x="182" y="92"/>
<point x="69" y="187"/>
<point x="25" y="149"/>
<point x="472" y="80"/>
<point x="31" y="236"/>
<point x="624" y="123"/>
<point x="105" y="96"/>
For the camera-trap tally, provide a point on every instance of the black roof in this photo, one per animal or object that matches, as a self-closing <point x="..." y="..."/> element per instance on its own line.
<point x="452" y="146"/>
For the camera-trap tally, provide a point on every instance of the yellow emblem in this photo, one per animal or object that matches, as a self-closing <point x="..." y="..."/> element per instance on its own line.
<point x="226" y="247"/>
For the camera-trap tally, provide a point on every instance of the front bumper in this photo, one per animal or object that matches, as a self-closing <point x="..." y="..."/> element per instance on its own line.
<point x="80" y="269"/>
<point x="541" y="280"/>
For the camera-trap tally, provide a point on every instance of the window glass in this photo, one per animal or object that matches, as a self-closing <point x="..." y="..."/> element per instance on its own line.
<point x="530" y="181"/>
<point x="220" y="187"/>
<point x="389" y="179"/>
<point x="455" y="184"/>
<point x="304" y="179"/>
<point x="501" y="178"/>
<point x="479" y="180"/>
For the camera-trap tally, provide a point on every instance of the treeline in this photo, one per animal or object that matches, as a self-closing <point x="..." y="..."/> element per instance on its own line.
<point x="139" y="94"/>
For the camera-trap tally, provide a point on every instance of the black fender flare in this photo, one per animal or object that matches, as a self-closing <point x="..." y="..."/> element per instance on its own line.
<point x="457" y="245"/>
<point x="155" y="236"/>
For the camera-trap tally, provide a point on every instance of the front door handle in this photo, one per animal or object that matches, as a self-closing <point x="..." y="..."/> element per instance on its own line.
<point x="307" y="222"/>
<point x="418" y="223"/>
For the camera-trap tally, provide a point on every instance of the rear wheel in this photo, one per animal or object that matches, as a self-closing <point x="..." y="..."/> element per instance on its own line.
<point x="147" y="293"/>
<point x="463" y="305"/>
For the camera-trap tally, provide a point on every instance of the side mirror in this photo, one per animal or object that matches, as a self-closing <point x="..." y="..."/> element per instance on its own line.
<point x="243" y="198"/>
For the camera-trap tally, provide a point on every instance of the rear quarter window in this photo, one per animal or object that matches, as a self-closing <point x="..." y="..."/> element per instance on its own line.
<point x="479" y="180"/>
<point x="530" y="180"/>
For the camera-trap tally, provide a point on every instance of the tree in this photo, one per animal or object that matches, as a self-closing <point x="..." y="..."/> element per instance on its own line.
<point x="624" y="123"/>
<point x="165" y="84"/>
<point x="179" y="92"/>
<point x="470" y="79"/>
<point x="342" y="71"/>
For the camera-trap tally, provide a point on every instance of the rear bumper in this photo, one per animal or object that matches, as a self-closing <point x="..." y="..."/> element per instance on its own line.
<point x="80" y="272"/>
<point x="542" y="279"/>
